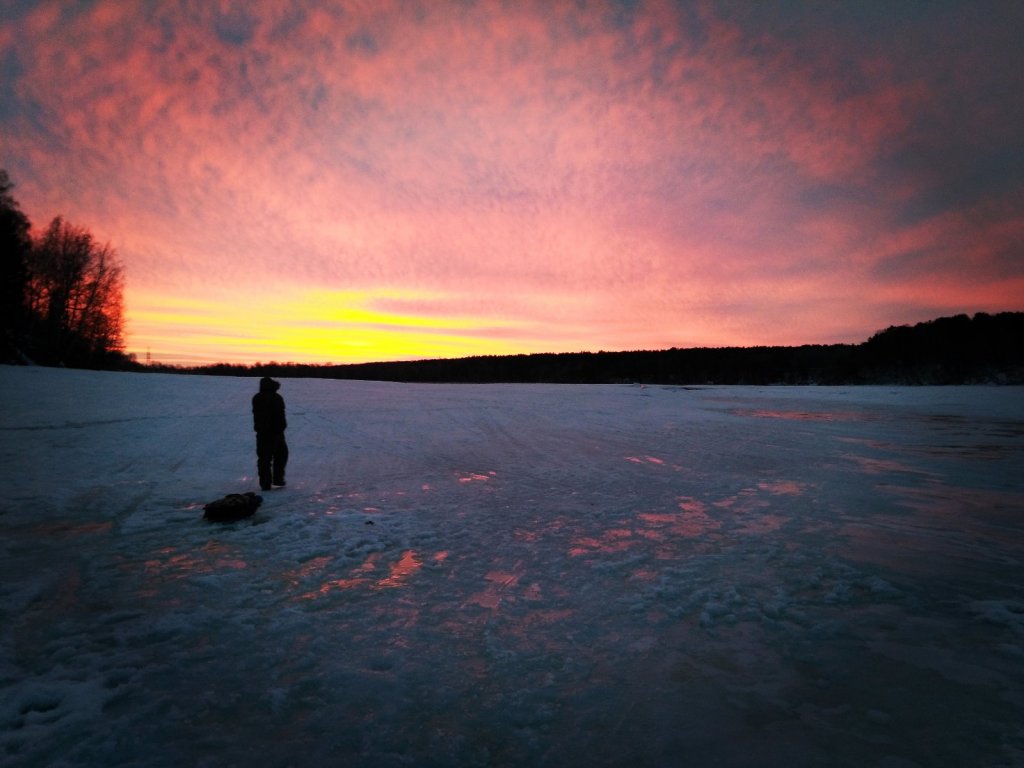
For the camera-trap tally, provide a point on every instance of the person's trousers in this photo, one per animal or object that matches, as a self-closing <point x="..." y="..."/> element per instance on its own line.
<point x="271" y="458"/>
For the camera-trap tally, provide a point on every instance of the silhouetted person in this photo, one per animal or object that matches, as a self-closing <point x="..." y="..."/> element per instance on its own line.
<point x="269" y="422"/>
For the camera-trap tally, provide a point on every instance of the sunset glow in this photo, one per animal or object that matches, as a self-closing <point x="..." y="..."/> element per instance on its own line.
<point x="346" y="182"/>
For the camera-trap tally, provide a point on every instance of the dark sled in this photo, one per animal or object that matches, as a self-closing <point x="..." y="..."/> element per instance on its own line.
<point x="234" y="506"/>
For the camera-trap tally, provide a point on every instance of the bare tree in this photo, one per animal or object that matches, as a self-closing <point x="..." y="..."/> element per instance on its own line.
<point x="15" y="244"/>
<point x="75" y="291"/>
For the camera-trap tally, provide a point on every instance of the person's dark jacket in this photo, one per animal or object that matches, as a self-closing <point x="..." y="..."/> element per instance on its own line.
<point x="268" y="408"/>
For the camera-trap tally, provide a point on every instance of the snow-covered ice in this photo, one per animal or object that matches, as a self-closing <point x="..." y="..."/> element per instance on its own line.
<point x="511" y="575"/>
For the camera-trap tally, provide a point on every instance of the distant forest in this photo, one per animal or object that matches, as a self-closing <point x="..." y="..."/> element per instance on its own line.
<point x="984" y="349"/>
<point x="61" y="304"/>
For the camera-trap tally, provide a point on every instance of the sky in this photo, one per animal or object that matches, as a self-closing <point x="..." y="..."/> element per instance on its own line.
<point x="381" y="180"/>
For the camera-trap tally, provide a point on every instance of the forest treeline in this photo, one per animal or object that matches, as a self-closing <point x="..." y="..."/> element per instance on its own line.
<point x="61" y="304"/>
<point x="62" y="293"/>
<point x="950" y="350"/>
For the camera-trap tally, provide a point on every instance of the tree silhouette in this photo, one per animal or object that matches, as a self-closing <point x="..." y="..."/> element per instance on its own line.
<point x="74" y="293"/>
<point x="15" y="245"/>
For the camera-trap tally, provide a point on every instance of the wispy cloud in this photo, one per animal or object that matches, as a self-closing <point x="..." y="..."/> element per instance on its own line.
<point x="621" y="175"/>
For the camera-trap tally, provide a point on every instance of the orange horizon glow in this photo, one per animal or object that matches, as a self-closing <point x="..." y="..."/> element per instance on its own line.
<point x="340" y="184"/>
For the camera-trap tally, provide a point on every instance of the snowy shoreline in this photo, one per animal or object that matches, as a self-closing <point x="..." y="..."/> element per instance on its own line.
<point x="511" y="575"/>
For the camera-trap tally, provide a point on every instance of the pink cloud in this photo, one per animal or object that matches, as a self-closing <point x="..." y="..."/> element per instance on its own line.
<point x="669" y="177"/>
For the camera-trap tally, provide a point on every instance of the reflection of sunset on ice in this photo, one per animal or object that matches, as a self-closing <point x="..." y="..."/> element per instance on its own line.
<point x="477" y="477"/>
<point x="212" y="558"/>
<point x="512" y="575"/>
<point x="367" y="575"/>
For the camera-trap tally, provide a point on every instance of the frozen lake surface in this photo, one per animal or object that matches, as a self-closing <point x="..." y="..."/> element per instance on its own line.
<point x="511" y="575"/>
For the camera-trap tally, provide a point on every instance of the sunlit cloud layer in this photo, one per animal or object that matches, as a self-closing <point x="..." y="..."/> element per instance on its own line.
<point x="363" y="181"/>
